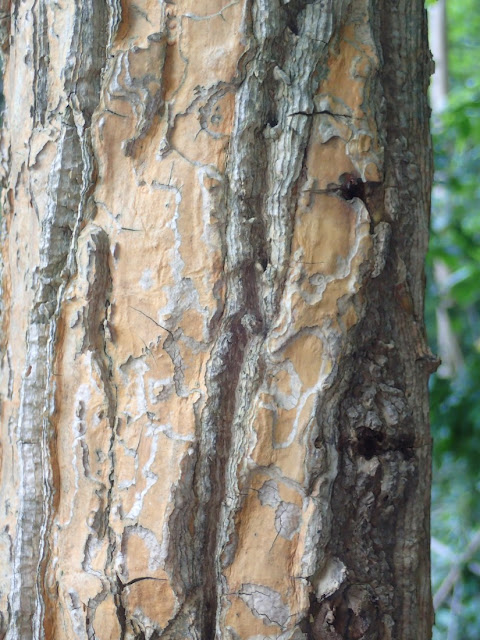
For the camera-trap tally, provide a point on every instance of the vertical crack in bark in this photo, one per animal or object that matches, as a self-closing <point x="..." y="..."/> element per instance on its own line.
<point x="263" y="174"/>
<point x="215" y="448"/>
<point x="41" y="52"/>
<point x="95" y="342"/>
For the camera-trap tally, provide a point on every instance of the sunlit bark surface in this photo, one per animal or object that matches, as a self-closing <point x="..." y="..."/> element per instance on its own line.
<point x="213" y="366"/>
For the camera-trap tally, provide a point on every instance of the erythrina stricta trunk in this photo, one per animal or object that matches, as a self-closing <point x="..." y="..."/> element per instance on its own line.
<point x="213" y="385"/>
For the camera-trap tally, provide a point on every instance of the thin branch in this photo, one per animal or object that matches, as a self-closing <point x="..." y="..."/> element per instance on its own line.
<point x="456" y="607"/>
<point x="442" y="549"/>
<point x="454" y="573"/>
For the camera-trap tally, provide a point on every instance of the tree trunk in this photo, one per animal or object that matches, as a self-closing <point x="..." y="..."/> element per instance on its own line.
<point x="214" y="368"/>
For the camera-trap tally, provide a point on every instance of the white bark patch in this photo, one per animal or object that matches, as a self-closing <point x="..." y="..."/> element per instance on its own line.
<point x="142" y="622"/>
<point x="146" y="281"/>
<point x="331" y="578"/>
<point x="265" y="603"/>
<point x="291" y="634"/>
<point x="76" y="617"/>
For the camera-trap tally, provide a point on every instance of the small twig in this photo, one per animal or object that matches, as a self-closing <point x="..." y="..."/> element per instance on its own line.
<point x="456" y="607"/>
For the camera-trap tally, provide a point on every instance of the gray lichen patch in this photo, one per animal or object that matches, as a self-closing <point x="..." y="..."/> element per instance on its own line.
<point x="265" y="603"/>
<point x="288" y="518"/>
<point x="268" y="494"/>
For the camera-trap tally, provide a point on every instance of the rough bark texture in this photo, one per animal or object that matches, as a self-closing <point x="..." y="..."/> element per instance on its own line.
<point x="213" y="377"/>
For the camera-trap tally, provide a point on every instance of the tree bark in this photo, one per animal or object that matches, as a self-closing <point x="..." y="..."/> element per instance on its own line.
<point x="214" y="368"/>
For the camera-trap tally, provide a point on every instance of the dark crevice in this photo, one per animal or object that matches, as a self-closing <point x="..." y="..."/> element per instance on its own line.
<point x="272" y="121"/>
<point x="351" y="186"/>
<point x="263" y="261"/>
<point x="141" y="579"/>
<point x="369" y="443"/>
<point x="41" y="52"/>
<point x="255" y="220"/>
<point x="120" y="609"/>
<point x="323" y="112"/>
<point x="222" y="414"/>
<point x="292" y="12"/>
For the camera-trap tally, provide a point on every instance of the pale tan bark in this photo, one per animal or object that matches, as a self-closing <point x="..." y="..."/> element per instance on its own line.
<point x="214" y="411"/>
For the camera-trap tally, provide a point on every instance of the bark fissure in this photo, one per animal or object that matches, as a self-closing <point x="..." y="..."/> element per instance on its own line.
<point x="255" y="211"/>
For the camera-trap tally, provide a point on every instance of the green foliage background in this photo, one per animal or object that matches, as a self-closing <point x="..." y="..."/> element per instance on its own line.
<point x="455" y="403"/>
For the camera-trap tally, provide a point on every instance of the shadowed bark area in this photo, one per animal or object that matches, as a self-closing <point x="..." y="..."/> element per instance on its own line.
<point x="214" y="369"/>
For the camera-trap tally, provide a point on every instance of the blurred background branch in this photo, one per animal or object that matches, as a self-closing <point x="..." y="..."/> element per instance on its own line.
<point x="454" y="575"/>
<point x="448" y="345"/>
